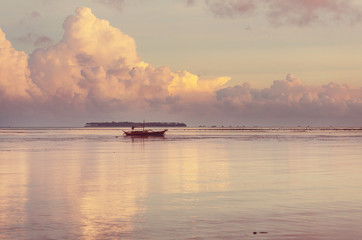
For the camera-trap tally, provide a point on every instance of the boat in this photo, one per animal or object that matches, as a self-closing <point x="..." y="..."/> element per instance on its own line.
<point x="144" y="133"/>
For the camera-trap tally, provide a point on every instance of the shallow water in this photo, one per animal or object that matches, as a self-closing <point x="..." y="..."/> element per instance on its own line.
<point x="89" y="183"/>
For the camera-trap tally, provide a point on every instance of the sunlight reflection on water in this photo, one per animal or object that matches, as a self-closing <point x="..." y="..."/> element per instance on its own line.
<point x="190" y="184"/>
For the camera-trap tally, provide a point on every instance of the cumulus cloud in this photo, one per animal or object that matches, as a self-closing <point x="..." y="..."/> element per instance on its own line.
<point x="17" y="91"/>
<point x="290" y="100"/>
<point x="293" y="12"/>
<point x="95" y="70"/>
<point x="15" y="82"/>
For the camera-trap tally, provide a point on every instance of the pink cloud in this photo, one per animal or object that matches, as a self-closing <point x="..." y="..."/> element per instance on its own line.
<point x="17" y="92"/>
<point x="226" y="8"/>
<point x="118" y="4"/>
<point x="95" y="72"/>
<point x="291" y="12"/>
<point x="15" y="82"/>
<point x="190" y="2"/>
<point x="290" y="100"/>
<point x="306" y="12"/>
<point x="36" y="39"/>
<point x="35" y="14"/>
<point x="96" y="68"/>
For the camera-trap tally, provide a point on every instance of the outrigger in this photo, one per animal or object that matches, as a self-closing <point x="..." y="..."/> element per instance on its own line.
<point x="143" y="132"/>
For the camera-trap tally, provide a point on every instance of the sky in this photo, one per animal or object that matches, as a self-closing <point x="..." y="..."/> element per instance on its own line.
<point x="202" y="62"/>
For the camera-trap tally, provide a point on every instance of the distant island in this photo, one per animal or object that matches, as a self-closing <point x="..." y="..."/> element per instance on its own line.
<point x="135" y="124"/>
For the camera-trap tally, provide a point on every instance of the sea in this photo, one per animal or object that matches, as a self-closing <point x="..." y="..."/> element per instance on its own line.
<point x="193" y="183"/>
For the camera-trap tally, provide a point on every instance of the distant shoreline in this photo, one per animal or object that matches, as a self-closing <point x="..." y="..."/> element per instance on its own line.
<point x="135" y="124"/>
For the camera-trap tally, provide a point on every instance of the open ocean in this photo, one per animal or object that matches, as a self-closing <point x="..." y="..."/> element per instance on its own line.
<point x="194" y="183"/>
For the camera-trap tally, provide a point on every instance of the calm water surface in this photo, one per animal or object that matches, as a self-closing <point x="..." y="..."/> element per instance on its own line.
<point x="192" y="184"/>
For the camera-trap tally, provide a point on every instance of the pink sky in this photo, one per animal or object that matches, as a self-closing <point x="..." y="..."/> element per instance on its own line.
<point x="96" y="73"/>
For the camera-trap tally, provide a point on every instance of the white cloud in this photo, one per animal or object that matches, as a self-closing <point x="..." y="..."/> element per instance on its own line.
<point x="95" y="72"/>
<point x="15" y="82"/>
<point x="94" y="69"/>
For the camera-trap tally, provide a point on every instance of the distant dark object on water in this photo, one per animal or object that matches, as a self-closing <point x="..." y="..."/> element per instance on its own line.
<point x="137" y="124"/>
<point x="145" y="133"/>
<point x="260" y="233"/>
